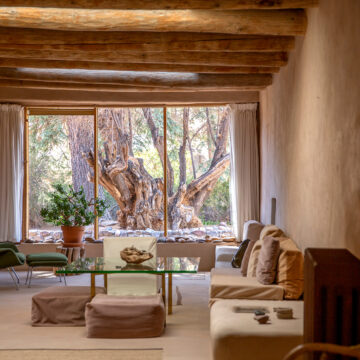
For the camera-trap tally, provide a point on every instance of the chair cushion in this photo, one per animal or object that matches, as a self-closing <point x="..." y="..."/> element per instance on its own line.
<point x="61" y="306"/>
<point x="46" y="259"/>
<point x="229" y="284"/>
<point x="125" y="317"/>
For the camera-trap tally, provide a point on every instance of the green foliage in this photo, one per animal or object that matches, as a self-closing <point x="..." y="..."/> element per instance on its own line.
<point x="68" y="207"/>
<point x="216" y="208"/>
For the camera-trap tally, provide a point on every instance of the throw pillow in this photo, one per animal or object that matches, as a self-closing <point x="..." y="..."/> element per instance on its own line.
<point x="253" y="260"/>
<point x="238" y="257"/>
<point x="245" y="260"/>
<point x="290" y="269"/>
<point x="267" y="261"/>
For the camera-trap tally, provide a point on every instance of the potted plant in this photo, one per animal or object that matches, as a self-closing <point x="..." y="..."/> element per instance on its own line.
<point x="70" y="210"/>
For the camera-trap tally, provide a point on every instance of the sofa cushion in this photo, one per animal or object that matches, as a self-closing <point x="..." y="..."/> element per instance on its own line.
<point x="238" y="257"/>
<point x="252" y="230"/>
<point x="246" y="258"/>
<point x="224" y="255"/>
<point x="267" y="262"/>
<point x="290" y="269"/>
<point x="229" y="284"/>
<point x="268" y="230"/>
<point x="236" y="335"/>
<point x="271" y="230"/>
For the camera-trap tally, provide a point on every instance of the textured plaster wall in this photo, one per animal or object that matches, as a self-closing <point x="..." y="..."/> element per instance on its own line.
<point x="310" y="133"/>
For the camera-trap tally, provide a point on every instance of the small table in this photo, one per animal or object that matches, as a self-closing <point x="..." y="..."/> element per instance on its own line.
<point x="157" y="266"/>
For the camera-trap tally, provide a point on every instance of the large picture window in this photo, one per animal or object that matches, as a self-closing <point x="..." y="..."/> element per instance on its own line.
<point x="135" y="148"/>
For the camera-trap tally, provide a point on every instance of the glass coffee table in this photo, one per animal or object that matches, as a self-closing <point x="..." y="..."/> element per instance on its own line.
<point x="157" y="266"/>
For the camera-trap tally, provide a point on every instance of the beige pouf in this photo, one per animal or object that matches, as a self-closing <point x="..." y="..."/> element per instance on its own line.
<point x="236" y="335"/>
<point x="125" y="317"/>
<point x="61" y="306"/>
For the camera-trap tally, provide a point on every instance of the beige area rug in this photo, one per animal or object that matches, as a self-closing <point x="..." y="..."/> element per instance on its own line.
<point x="84" y="354"/>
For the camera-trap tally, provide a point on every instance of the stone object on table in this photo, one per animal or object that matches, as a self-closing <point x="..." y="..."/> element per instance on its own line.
<point x="132" y="255"/>
<point x="261" y="319"/>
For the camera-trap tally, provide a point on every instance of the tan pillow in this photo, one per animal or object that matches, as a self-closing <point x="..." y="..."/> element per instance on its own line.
<point x="290" y="269"/>
<point x="267" y="261"/>
<point x="251" y="269"/>
<point x="246" y="258"/>
<point x="271" y="230"/>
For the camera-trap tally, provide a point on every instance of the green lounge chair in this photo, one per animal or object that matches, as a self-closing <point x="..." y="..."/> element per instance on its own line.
<point x="10" y="257"/>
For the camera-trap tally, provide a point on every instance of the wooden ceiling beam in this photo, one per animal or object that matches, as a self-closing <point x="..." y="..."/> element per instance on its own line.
<point x="88" y="65"/>
<point x="165" y="4"/>
<point x="261" y="44"/>
<point x="248" y="22"/>
<point x="139" y="79"/>
<point x="115" y="88"/>
<point x="253" y="59"/>
<point x="21" y="36"/>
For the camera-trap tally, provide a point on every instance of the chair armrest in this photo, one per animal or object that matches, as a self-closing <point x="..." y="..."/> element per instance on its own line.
<point x="8" y="258"/>
<point x="9" y="245"/>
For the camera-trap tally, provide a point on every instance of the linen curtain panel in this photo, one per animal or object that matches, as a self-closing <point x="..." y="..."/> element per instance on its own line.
<point x="11" y="174"/>
<point x="244" y="181"/>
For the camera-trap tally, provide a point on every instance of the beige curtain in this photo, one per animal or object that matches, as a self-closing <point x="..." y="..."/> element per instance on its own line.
<point x="244" y="184"/>
<point x="11" y="171"/>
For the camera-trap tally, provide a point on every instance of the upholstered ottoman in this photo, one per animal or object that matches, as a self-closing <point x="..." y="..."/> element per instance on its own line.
<point x="125" y="317"/>
<point x="53" y="259"/>
<point x="61" y="306"/>
<point x="236" y="335"/>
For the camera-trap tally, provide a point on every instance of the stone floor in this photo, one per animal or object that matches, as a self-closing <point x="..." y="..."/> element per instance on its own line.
<point x="186" y="335"/>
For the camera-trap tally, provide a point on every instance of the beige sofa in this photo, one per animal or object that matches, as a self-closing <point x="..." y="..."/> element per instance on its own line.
<point x="228" y="283"/>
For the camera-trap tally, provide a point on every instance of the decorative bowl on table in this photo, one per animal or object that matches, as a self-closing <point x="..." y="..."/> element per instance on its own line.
<point x="132" y="255"/>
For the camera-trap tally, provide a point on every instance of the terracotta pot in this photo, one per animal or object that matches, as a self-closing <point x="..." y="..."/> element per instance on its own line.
<point x="72" y="235"/>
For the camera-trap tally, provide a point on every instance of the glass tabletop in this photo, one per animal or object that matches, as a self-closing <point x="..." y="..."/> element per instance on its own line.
<point x="159" y="265"/>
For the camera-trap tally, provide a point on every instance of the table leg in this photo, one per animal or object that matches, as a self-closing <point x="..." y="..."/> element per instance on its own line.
<point x="105" y="282"/>
<point x="92" y="291"/>
<point x="169" y="294"/>
<point x="163" y="288"/>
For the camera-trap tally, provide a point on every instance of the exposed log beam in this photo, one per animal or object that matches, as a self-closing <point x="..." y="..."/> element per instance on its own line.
<point x="263" y="44"/>
<point x="112" y="88"/>
<point x="139" y="79"/>
<point x="253" y="22"/>
<point x="46" y="97"/>
<point x="21" y="36"/>
<point x="165" y="4"/>
<point x="189" y="57"/>
<point x="88" y="65"/>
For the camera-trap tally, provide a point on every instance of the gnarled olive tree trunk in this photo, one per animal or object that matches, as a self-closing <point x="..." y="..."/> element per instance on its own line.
<point x="138" y="194"/>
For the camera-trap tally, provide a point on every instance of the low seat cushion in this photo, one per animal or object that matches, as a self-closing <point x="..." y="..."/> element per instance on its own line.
<point x="236" y="335"/>
<point x="47" y="259"/>
<point x="61" y="306"/>
<point x="229" y="284"/>
<point x="224" y="255"/>
<point x="110" y="316"/>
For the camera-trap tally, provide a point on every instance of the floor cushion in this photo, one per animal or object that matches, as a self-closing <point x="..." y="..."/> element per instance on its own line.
<point x="61" y="306"/>
<point x="229" y="284"/>
<point x="117" y="317"/>
<point x="236" y="335"/>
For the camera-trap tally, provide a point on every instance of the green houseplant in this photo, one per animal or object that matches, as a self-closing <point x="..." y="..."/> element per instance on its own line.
<point x="70" y="210"/>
